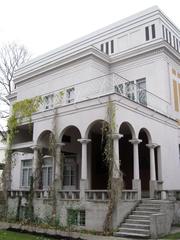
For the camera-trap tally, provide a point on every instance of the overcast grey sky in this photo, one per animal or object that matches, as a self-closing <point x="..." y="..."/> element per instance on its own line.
<point x="42" y="25"/>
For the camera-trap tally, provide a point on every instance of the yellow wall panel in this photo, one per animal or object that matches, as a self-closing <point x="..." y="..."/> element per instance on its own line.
<point x="176" y="101"/>
<point x="173" y="71"/>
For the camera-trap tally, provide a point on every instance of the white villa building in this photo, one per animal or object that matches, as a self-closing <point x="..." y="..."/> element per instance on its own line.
<point x="135" y="64"/>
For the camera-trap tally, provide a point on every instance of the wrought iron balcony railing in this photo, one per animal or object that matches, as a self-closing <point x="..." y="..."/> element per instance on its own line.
<point x="104" y="85"/>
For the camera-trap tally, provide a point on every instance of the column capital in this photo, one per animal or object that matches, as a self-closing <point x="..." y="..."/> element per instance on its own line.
<point x="116" y="136"/>
<point x="135" y="141"/>
<point x="151" y="145"/>
<point x="35" y="147"/>
<point x="84" y="140"/>
<point x="60" y="144"/>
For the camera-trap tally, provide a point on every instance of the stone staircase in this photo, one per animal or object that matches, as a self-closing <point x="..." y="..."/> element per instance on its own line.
<point x="137" y="223"/>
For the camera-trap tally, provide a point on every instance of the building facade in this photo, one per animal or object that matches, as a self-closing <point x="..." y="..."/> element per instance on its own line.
<point x="134" y="64"/>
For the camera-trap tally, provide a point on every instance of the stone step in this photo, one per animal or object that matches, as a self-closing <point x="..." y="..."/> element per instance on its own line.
<point x="133" y="230"/>
<point x="149" y="205"/>
<point x="139" y="217"/>
<point x="133" y="235"/>
<point x="148" y="201"/>
<point x="142" y="213"/>
<point x="138" y="221"/>
<point x="136" y="226"/>
<point x="149" y="209"/>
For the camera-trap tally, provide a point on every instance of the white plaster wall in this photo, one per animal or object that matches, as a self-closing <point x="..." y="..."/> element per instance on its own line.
<point x="67" y="76"/>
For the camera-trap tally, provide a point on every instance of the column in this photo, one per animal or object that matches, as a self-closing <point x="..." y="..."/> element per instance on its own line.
<point x="84" y="143"/>
<point x="116" y="137"/>
<point x="58" y="165"/>
<point x="83" y="181"/>
<point x="136" y="183"/>
<point x="35" y="149"/>
<point x="153" y="182"/>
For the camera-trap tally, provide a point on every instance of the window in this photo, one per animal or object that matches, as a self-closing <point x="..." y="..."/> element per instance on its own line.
<point x="102" y="47"/>
<point x="174" y="41"/>
<point x="112" y="46"/>
<point x="49" y="101"/>
<point x="153" y="31"/>
<point x="47" y="172"/>
<point x="177" y="44"/>
<point x="26" y="173"/>
<point x="167" y="35"/>
<point x="141" y="91"/>
<point x="70" y="95"/>
<point x="107" y="47"/>
<point x="170" y="38"/>
<point x="163" y="31"/>
<point x="69" y="172"/>
<point x="76" y="217"/>
<point x="147" y="33"/>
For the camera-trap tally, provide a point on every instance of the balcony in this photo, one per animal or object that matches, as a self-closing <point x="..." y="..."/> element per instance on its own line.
<point x="102" y="86"/>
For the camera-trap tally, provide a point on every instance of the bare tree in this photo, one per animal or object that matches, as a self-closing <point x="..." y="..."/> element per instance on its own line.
<point x="12" y="56"/>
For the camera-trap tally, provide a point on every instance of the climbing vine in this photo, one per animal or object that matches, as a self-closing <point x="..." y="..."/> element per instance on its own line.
<point x="21" y="110"/>
<point x="115" y="184"/>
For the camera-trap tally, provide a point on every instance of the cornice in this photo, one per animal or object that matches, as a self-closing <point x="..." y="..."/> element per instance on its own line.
<point x="158" y="46"/>
<point x="155" y="48"/>
<point x="39" y="68"/>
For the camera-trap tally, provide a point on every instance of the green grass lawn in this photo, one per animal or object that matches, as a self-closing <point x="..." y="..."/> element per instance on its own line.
<point x="173" y="236"/>
<point x="8" y="235"/>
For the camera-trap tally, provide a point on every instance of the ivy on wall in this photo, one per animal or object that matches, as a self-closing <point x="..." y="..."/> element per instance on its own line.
<point x="21" y="110"/>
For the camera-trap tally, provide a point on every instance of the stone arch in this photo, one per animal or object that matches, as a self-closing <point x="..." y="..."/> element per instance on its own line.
<point x="43" y="138"/>
<point x="146" y="131"/>
<point x="128" y="127"/>
<point x="66" y="129"/>
<point x="98" y="121"/>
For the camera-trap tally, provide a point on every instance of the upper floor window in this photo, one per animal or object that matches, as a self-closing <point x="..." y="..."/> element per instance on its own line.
<point x="163" y="31"/>
<point x="112" y="46"/>
<point x="147" y="33"/>
<point x="153" y="31"/>
<point x="102" y="47"/>
<point x="107" y="47"/>
<point x="150" y="32"/>
<point x="170" y="38"/>
<point x="70" y="95"/>
<point x="26" y="173"/>
<point x="49" y="101"/>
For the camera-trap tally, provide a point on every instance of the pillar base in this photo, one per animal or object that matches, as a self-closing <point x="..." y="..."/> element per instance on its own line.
<point x="83" y="188"/>
<point x="152" y="188"/>
<point x="136" y="185"/>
